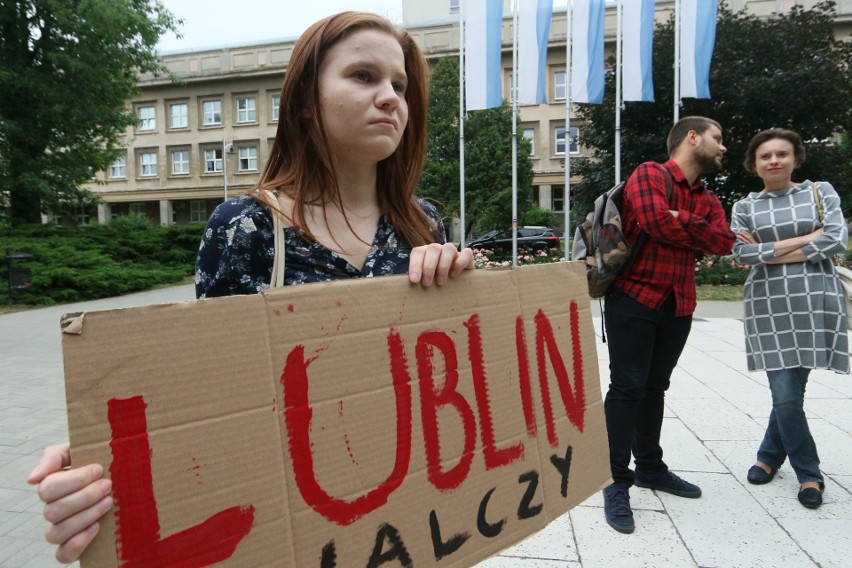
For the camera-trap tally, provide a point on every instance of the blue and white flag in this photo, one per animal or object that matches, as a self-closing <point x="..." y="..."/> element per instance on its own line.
<point x="483" y="21"/>
<point x="587" y="52"/>
<point x="697" y="39"/>
<point x="637" y="80"/>
<point x="533" y="30"/>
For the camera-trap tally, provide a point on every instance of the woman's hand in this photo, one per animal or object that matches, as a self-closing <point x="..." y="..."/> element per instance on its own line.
<point x="746" y="237"/>
<point x="436" y="262"/>
<point x="74" y="500"/>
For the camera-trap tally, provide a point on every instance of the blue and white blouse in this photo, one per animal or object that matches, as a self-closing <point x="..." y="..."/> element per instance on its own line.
<point x="238" y="249"/>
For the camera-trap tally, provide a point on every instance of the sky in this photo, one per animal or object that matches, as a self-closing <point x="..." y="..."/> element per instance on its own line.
<point x="215" y="23"/>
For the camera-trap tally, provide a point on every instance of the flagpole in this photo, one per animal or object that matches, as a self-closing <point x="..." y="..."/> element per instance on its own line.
<point x="677" y="62"/>
<point x="514" y="98"/>
<point x="461" y="127"/>
<point x="618" y="105"/>
<point x="569" y="11"/>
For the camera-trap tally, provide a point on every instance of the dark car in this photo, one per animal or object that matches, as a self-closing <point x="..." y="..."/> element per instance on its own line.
<point x="530" y="238"/>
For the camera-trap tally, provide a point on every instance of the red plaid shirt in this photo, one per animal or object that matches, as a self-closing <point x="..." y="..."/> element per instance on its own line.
<point x="666" y="263"/>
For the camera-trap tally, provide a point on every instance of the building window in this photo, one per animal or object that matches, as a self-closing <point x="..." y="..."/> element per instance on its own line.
<point x="180" y="162"/>
<point x="557" y="198"/>
<point x="212" y="111"/>
<point x="118" y="169"/>
<point x="148" y="164"/>
<point x="213" y="160"/>
<point x="179" y="115"/>
<point x="137" y="208"/>
<point x="248" y="158"/>
<point x="81" y="215"/>
<point x="559" y="86"/>
<point x="529" y="134"/>
<point x="454" y="6"/>
<point x="147" y="118"/>
<point x="197" y="211"/>
<point x="276" y="104"/>
<point x="574" y="147"/>
<point x="246" y="109"/>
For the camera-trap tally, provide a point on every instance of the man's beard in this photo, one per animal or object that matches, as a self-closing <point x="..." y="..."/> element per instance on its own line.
<point x="707" y="163"/>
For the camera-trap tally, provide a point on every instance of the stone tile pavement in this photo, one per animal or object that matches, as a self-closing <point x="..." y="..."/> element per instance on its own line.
<point x="714" y="420"/>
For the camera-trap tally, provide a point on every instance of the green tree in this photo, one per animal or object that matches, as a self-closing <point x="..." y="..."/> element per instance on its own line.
<point x="67" y="70"/>
<point x="488" y="157"/>
<point x="785" y="71"/>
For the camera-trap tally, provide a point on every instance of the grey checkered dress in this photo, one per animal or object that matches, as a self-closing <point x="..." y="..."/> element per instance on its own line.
<point x="794" y="314"/>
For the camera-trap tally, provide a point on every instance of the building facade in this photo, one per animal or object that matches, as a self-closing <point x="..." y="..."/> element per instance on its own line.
<point x="209" y="137"/>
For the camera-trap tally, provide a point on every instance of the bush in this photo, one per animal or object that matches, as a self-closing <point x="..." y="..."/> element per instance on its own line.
<point x="99" y="261"/>
<point x="720" y="271"/>
<point x="537" y="216"/>
<point x="484" y="258"/>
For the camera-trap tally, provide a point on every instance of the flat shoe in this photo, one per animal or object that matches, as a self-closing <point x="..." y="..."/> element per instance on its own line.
<point x="810" y="497"/>
<point x="758" y="476"/>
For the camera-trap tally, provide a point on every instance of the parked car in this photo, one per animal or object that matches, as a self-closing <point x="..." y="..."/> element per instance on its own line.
<point x="531" y="238"/>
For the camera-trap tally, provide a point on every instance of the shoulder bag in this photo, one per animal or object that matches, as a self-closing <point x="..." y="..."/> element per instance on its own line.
<point x="843" y="273"/>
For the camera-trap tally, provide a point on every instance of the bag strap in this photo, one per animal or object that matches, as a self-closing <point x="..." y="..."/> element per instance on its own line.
<point x="277" y="279"/>
<point x="818" y="202"/>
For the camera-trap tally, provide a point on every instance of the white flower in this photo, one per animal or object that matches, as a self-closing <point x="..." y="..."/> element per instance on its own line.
<point x="248" y="225"/>
<point x="230" y="236"/>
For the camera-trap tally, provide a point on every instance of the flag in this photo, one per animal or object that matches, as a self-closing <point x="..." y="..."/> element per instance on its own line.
<point x="533" y="31"/>
<point x="637" y="46"/>
<point x="697" y="38"/>
<point x="483" y="21"/>
<point x="587" y="51"/>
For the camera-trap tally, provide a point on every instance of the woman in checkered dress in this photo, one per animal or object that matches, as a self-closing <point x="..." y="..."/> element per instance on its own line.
<point x="795" y="317"/>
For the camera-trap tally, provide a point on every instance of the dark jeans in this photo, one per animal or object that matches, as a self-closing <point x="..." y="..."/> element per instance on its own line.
<point x="644" y="346"/>
<point x="787" y="434"/>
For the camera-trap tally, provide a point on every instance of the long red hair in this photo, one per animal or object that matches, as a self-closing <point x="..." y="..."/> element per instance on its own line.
<point x="301" y="155"/>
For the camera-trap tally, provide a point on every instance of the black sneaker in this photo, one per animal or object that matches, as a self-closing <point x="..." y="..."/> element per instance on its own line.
<point x="619" y="515"/>
<point x="668" y="482"/>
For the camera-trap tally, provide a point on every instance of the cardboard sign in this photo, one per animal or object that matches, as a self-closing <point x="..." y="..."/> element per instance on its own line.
<point x="355" y="423"/>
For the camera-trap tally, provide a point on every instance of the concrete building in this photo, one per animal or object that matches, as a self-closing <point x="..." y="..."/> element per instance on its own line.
<point x="209" y="138"/>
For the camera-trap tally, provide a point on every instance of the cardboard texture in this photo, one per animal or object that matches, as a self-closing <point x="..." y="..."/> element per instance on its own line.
<point x="355" y="423"/>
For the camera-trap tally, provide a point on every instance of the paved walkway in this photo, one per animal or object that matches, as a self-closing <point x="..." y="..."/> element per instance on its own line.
<point x="714" y="420"/>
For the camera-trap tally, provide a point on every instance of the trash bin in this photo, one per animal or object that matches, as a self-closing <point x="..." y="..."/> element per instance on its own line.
<point x="19" y="277"/>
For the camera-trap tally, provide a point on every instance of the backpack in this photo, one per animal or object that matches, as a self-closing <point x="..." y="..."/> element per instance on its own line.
<point x="600" y="240"/>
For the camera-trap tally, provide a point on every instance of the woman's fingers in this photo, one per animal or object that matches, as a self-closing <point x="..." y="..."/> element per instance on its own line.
<point x="56" y="487"/>
<point x="67" y="530"/>
<point x="73" y="548"/>
<point x="52" y="460"/>
<point x="431" y="263"/>
<point x="74" y="498"/>
<point x="464" y="261"/>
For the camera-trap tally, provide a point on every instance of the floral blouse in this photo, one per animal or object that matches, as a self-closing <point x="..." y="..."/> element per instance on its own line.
<point x="238" y="249"/>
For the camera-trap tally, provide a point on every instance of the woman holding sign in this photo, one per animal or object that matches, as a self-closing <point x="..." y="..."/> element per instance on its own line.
<point x="338" y="188"/>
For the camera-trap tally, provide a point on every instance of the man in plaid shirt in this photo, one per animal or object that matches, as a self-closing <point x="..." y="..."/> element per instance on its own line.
<point x="649" y="307"/>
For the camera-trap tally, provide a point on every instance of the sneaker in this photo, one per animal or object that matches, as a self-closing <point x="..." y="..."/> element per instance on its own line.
<point x="619" y="515"/>
<point x="668" y="482"/>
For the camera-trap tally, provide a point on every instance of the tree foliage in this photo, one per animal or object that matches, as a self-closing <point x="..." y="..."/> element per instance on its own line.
<point x="488" y="157"/>
<point x="67" y="70"/>
<point x="786" y="71"/>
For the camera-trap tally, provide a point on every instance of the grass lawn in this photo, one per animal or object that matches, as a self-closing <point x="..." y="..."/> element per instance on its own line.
<point x="720" y="293"/>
